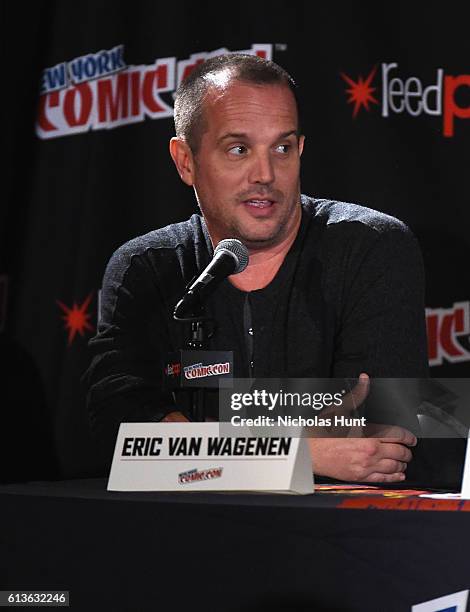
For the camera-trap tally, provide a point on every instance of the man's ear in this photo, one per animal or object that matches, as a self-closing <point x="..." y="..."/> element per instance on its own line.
<point x="301" y="144"/>
<point x="183" y="158"/>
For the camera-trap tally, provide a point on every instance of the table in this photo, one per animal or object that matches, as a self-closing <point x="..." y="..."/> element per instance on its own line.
<point x="231" y="551"/>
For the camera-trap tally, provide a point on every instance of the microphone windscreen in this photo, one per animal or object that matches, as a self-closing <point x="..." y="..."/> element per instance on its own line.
<point x="237" y="249"/>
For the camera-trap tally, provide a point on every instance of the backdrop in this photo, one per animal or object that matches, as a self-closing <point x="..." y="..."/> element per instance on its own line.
<point x="88" y="115"/>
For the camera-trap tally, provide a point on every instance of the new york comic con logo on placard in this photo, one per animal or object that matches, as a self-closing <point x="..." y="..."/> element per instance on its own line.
<point x="388" y="88"/>
<point x="199" y="475"/>
<point x="100" y="91"/>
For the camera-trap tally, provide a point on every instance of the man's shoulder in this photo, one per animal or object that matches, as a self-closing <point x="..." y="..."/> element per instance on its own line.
<point x="336" y="214"/>
<point x="185" y="235"/>
<point x="166" y="251"/>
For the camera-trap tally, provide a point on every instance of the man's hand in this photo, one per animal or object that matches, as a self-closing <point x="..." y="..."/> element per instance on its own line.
<point x="349" y="403"/>
<point x="382" y="459"/>
<point x="175" y="417"/>
<point x="374" y="453"/>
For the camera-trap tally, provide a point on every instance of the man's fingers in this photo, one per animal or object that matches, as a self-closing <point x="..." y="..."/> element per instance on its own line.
<point x="351" y="400"/>
<point x="378" y="477"/>
<point x="391" y="466"/>
<point x="175" y="417"/>
<point x="391" y="433"/>
<point x="395" y="451"/>
<point x="358" y="394"/>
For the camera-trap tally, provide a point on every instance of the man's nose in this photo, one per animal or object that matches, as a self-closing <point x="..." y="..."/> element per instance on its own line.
<point x="261" y="170"/>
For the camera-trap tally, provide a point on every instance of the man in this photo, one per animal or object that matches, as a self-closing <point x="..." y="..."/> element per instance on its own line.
<point x="331" y="289"/>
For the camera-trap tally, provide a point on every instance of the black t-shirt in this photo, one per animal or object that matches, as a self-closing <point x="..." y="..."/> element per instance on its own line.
<point x="348" y="298"/>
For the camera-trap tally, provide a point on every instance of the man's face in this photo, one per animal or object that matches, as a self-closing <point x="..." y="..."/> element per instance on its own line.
<point x="245" y="172"/>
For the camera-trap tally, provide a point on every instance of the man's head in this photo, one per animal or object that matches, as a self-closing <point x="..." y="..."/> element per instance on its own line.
<point x="238" y="144"/>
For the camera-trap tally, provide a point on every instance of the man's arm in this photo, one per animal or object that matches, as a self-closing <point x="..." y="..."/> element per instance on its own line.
<point x="125" y="377"/>
<point x="382" y="333"/>
<point x="382" y="328"/>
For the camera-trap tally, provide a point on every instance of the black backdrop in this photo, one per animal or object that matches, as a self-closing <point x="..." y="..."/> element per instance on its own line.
<point x="87" y="172"/>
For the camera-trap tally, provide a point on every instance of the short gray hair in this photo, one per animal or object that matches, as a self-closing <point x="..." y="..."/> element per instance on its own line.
<point x="189" y="98"/>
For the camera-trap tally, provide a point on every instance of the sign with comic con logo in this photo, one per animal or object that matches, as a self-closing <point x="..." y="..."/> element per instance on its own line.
<point x="199" y="457"/>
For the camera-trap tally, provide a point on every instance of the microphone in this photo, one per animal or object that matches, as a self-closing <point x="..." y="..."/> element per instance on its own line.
<point x="230" y="257"/>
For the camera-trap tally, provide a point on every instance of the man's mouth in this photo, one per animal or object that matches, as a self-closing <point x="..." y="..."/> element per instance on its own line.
<point x="259" y="203"/>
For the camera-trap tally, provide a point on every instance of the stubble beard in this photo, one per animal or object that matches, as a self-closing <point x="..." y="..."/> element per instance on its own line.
<point x="230" y="228"/>
<point x="278" y="233"/>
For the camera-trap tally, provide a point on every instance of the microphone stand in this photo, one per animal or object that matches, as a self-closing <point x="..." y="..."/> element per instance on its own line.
<point x="196" y="341"/>
<point x="185" y="369"/>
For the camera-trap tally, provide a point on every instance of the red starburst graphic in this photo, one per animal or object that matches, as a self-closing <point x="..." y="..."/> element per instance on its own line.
<point x="76" y="318"/>
<point x="360" y="92"/>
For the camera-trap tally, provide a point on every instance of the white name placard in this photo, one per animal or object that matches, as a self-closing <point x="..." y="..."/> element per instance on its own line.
<point x="465" y="493"/>
<point x="198" y="457"/>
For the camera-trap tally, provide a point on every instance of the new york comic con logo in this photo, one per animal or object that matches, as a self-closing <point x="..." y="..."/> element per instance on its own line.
<point x="100" y="91"/>
<point x="197" y="370"/>
<point x="199" y="475"/>
<point x="444" y="95"/>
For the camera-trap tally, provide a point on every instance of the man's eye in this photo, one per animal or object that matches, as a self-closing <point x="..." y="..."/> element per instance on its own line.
<point x="238" y="150"/>
<point x="284" y="148"/>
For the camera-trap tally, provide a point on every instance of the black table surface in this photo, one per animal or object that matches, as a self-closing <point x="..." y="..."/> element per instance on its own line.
<point x="323" y="497"/>
<point x="232" y="551"/>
